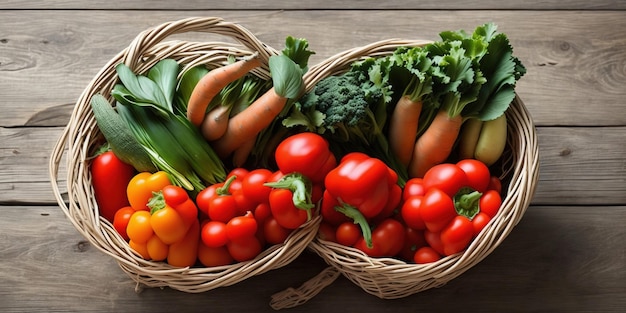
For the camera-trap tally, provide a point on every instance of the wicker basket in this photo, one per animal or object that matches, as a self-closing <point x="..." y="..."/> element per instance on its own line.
<point x="390" y="278"/>
<point x="81" y="136"/>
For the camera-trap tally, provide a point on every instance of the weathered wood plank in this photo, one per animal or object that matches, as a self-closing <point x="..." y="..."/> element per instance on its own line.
<point x="578" y="165"/>
<point x="316" y="5"/>
<point x="558" y="259"/>
<point x="575" y="73"/>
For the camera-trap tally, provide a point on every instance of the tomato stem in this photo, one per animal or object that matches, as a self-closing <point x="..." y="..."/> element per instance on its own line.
<point x="358" y="219"/>
<point x="223" y="190"/>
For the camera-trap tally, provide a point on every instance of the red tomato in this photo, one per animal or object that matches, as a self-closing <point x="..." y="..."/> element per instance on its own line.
<point x="203" y="199"/>
<point x="223" y="208"/>
<point x="273" y="232"/>
<point x="110" y="177"/>
<point x="387" y="239"/>
<point x="437" y="210"/>
<point x="490" y="203"/>
<point x="434" y="241"/>
<point x="210" y="257"/>
<point x="479" y="222"/>
<point x="411" y="214"/>
<point x="447" y="177"/>
<point x="326" y="232"/>
<point x="306" y="153"/>
<point x="347" y="233"/>
<point x="457" y="235"/>
<point x="425" y="255"/>
<point x="241" y="227"/>
<point x="213" y="234"/>
<point x="413" y="187"/>
<point x="495" y="184"/>
<point x="413" y="240"/>
<point x="244" y="249"/>
<point x="120" y="220"/>
<point x="253" y="185"/>
<point x="477" y="173"/>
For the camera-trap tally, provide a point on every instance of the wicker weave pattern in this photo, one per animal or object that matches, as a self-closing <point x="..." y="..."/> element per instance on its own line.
<point x="81" y="136"/>
<point x="383" y="277"/>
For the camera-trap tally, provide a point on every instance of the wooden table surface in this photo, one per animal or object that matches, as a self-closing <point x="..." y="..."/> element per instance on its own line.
<point x="568" y="253"/>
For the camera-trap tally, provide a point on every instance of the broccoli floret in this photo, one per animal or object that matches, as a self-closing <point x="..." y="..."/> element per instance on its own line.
<point x="344" y="103"/>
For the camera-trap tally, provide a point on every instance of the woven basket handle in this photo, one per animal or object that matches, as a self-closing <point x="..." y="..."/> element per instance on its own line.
<point x="149" y="38"/>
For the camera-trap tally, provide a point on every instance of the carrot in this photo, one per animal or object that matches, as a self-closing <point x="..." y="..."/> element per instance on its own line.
<point x="214" y="81"/>
<point x="241" y="154"/>
<point x="215" y="122"/>
<point x="435" y="144"/>
<point x="403" y="128"/>
<point x="247" y="124"/>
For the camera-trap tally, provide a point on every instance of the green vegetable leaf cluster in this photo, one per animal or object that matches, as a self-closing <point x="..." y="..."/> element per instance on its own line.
<point x="151" y="106"/>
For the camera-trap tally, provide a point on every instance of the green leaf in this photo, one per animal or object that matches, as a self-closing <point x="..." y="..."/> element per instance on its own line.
<point x="142" y="88"/>
<point x="286" y="76"/>
<point x="165" y="74"/>
<point x="188" y="82"/>
<point x="297" y="49"/>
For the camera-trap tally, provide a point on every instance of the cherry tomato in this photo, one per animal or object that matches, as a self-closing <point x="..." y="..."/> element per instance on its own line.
<point x="457" y="235"/>
<point x="203" y="199"/>
<point x="273" y="232"/>
<point x="326" y="231"/>
<point x="490" y="203"/>
<point x="210" y="257"/>
<point x="447" y="177"/>
<point x="387" y="239"/>
<point x="479" y="222"/>
<point x="241" y="227"/>
<point x="253" y="185"/>
<point x="413" y="187"/>
<point x="223" y="208"/>
<point x="414" y="239"/>
<point x="244" y="249"/>
<point x="437" y="209"/>
<point x="178" y="198"/>
<point x="213" y="234"/>
<point x="411" y="214"/>
<point x="434" y="241"/>
<point x="477" y="173"/>
<point x="120" y="220"/>
<point x="495" y="184"/>
<point x="425" y="255"/>
<point x="347" y="233"/>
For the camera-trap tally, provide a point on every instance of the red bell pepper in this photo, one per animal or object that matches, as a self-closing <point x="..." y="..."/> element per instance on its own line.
<point x="290" y="200"/>
<point x="305" y="153"/>
<point x="110" y="177"/>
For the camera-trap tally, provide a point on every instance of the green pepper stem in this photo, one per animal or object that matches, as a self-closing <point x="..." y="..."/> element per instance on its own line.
<point x="301" y="188"/>
<point x="466" y="202"/>
<point x="156" y="202"/>
<point x="358" y="219"/>
<point x="224" y="190"/>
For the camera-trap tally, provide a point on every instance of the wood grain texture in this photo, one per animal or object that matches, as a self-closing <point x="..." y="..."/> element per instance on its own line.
<point x="573" y="254"/>
<point x="575" y="77"/>
<point x="315" y="5"/>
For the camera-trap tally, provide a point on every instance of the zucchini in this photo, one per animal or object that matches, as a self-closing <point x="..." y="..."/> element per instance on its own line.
<point x="119" y="136"/>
